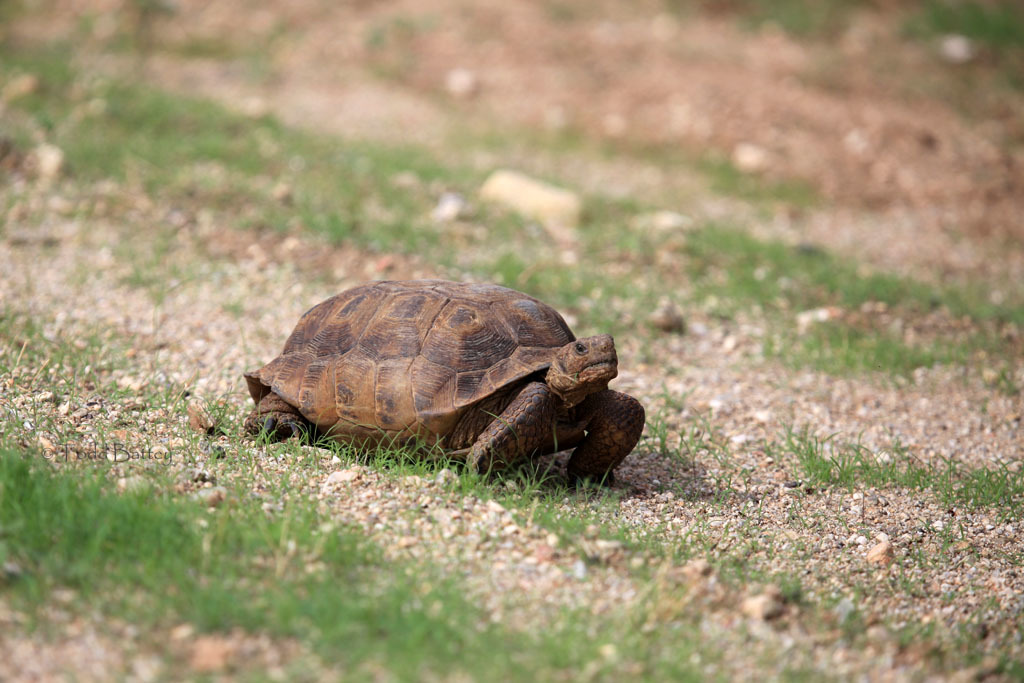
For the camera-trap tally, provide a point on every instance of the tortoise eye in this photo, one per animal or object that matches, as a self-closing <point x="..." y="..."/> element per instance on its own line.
<point x="581" y="348"/>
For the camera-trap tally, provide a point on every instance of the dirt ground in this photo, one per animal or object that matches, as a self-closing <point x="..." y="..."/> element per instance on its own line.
<point x="919" y="174"/>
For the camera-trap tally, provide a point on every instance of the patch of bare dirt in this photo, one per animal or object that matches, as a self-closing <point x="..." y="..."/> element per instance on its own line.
<point x="83" y="650"/>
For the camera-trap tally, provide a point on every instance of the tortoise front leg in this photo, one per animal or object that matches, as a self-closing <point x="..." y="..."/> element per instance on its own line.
<point x="277" y="418"/>
<point x="613" y="422"/>
<point x="525" y="426"/>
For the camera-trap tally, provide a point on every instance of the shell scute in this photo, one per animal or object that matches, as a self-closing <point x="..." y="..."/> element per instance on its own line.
<point x="433" y="391"/>
<point x="462" y="338"/>
<point x="539" y="325"/>
<point x="393" y="400"/>
<point x="353" y="391"/>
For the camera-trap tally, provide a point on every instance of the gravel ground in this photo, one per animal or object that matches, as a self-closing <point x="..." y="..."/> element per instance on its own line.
<point x="519" y="570"/>
<point x="214" y="303"/>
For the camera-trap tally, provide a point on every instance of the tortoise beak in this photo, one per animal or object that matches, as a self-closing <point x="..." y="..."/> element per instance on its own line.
<point x="605" y="362"/>
<point x="604" y="371"/>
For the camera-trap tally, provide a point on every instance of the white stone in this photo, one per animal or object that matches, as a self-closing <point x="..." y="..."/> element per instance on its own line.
<point x="579" y="570"/>
<point x="805" y="319"/>
<point x="48" y="161"/>
<point x="445" y="476"/>
<point x="554" y="207"/>
<point x="341" y="477"/>
<point x="856" y="142"/>
<point x="450" y="206"/>
<point x="662" y="221"/>
<point x="749" y="158"/>
<point x="461" y="82"/>
<point x="956" y="49"/>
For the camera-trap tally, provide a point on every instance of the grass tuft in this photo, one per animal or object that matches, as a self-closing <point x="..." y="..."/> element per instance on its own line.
<point x="157" y="561"/>
<point x="998" y="24"/>
<point x="826" y="462"/>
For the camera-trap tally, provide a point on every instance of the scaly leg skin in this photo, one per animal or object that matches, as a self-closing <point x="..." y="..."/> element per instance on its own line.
<point x="523" y="427"/>
<point x="614" y="422"/>
<point x="276" y="418"/>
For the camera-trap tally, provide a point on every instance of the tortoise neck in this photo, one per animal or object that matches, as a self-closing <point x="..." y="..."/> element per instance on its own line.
<point x="568" y="390"/>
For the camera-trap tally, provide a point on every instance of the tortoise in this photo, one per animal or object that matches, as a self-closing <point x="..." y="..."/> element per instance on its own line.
<point x="487" y="373"/>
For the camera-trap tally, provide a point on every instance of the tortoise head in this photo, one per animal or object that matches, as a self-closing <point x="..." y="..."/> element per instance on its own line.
<point x="583" y="367"/>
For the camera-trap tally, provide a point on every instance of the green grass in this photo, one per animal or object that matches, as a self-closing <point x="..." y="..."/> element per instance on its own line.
<point x="34" y="358"/>
<point x="726" y="179"/>
<point x="737" y="266"/>
<point x="998" y="24"/>
<point x="996" y="27"/>
<point x="826" y="462"/>
<point x="802" y="18"/>
<point x="733" y="271"/>
<point x="194" y="152"/>
<point x="157" y="561"/>
<point x="841" y="349"/>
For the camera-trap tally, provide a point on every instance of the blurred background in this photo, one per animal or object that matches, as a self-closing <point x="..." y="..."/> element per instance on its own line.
<point x="885" y="133"/>
<point x="908" y="105"/>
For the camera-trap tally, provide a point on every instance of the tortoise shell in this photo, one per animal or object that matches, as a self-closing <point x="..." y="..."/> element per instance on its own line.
<point x="408" y="358"/>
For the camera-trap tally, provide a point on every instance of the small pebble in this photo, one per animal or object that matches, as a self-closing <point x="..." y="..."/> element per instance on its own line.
<point x="956" y="49"/>
<point x="461" y="82"/>
<point x="11" y="571"/>
<point x="668" y="318"/>
<point x="696" y="569"/>
<point x="767" y="605"/>
<point x="881" y="553"/>
<point x="750" y="158"/>
<point x="212" y="497"/>
<point x="844" y="609"/>
<point x="445" y="477"/>
<point x="282" y="193"/>
<point x="199" y="417"/>
<point x="450" y="206"/>
<point x="342" y="476"/>
<point x="47" y="161"/>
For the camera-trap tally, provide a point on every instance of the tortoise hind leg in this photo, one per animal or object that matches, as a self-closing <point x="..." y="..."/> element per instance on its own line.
<point x="525" y="426"/>
<point x="276" y="418"/>
<point x="614" y="422"/>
